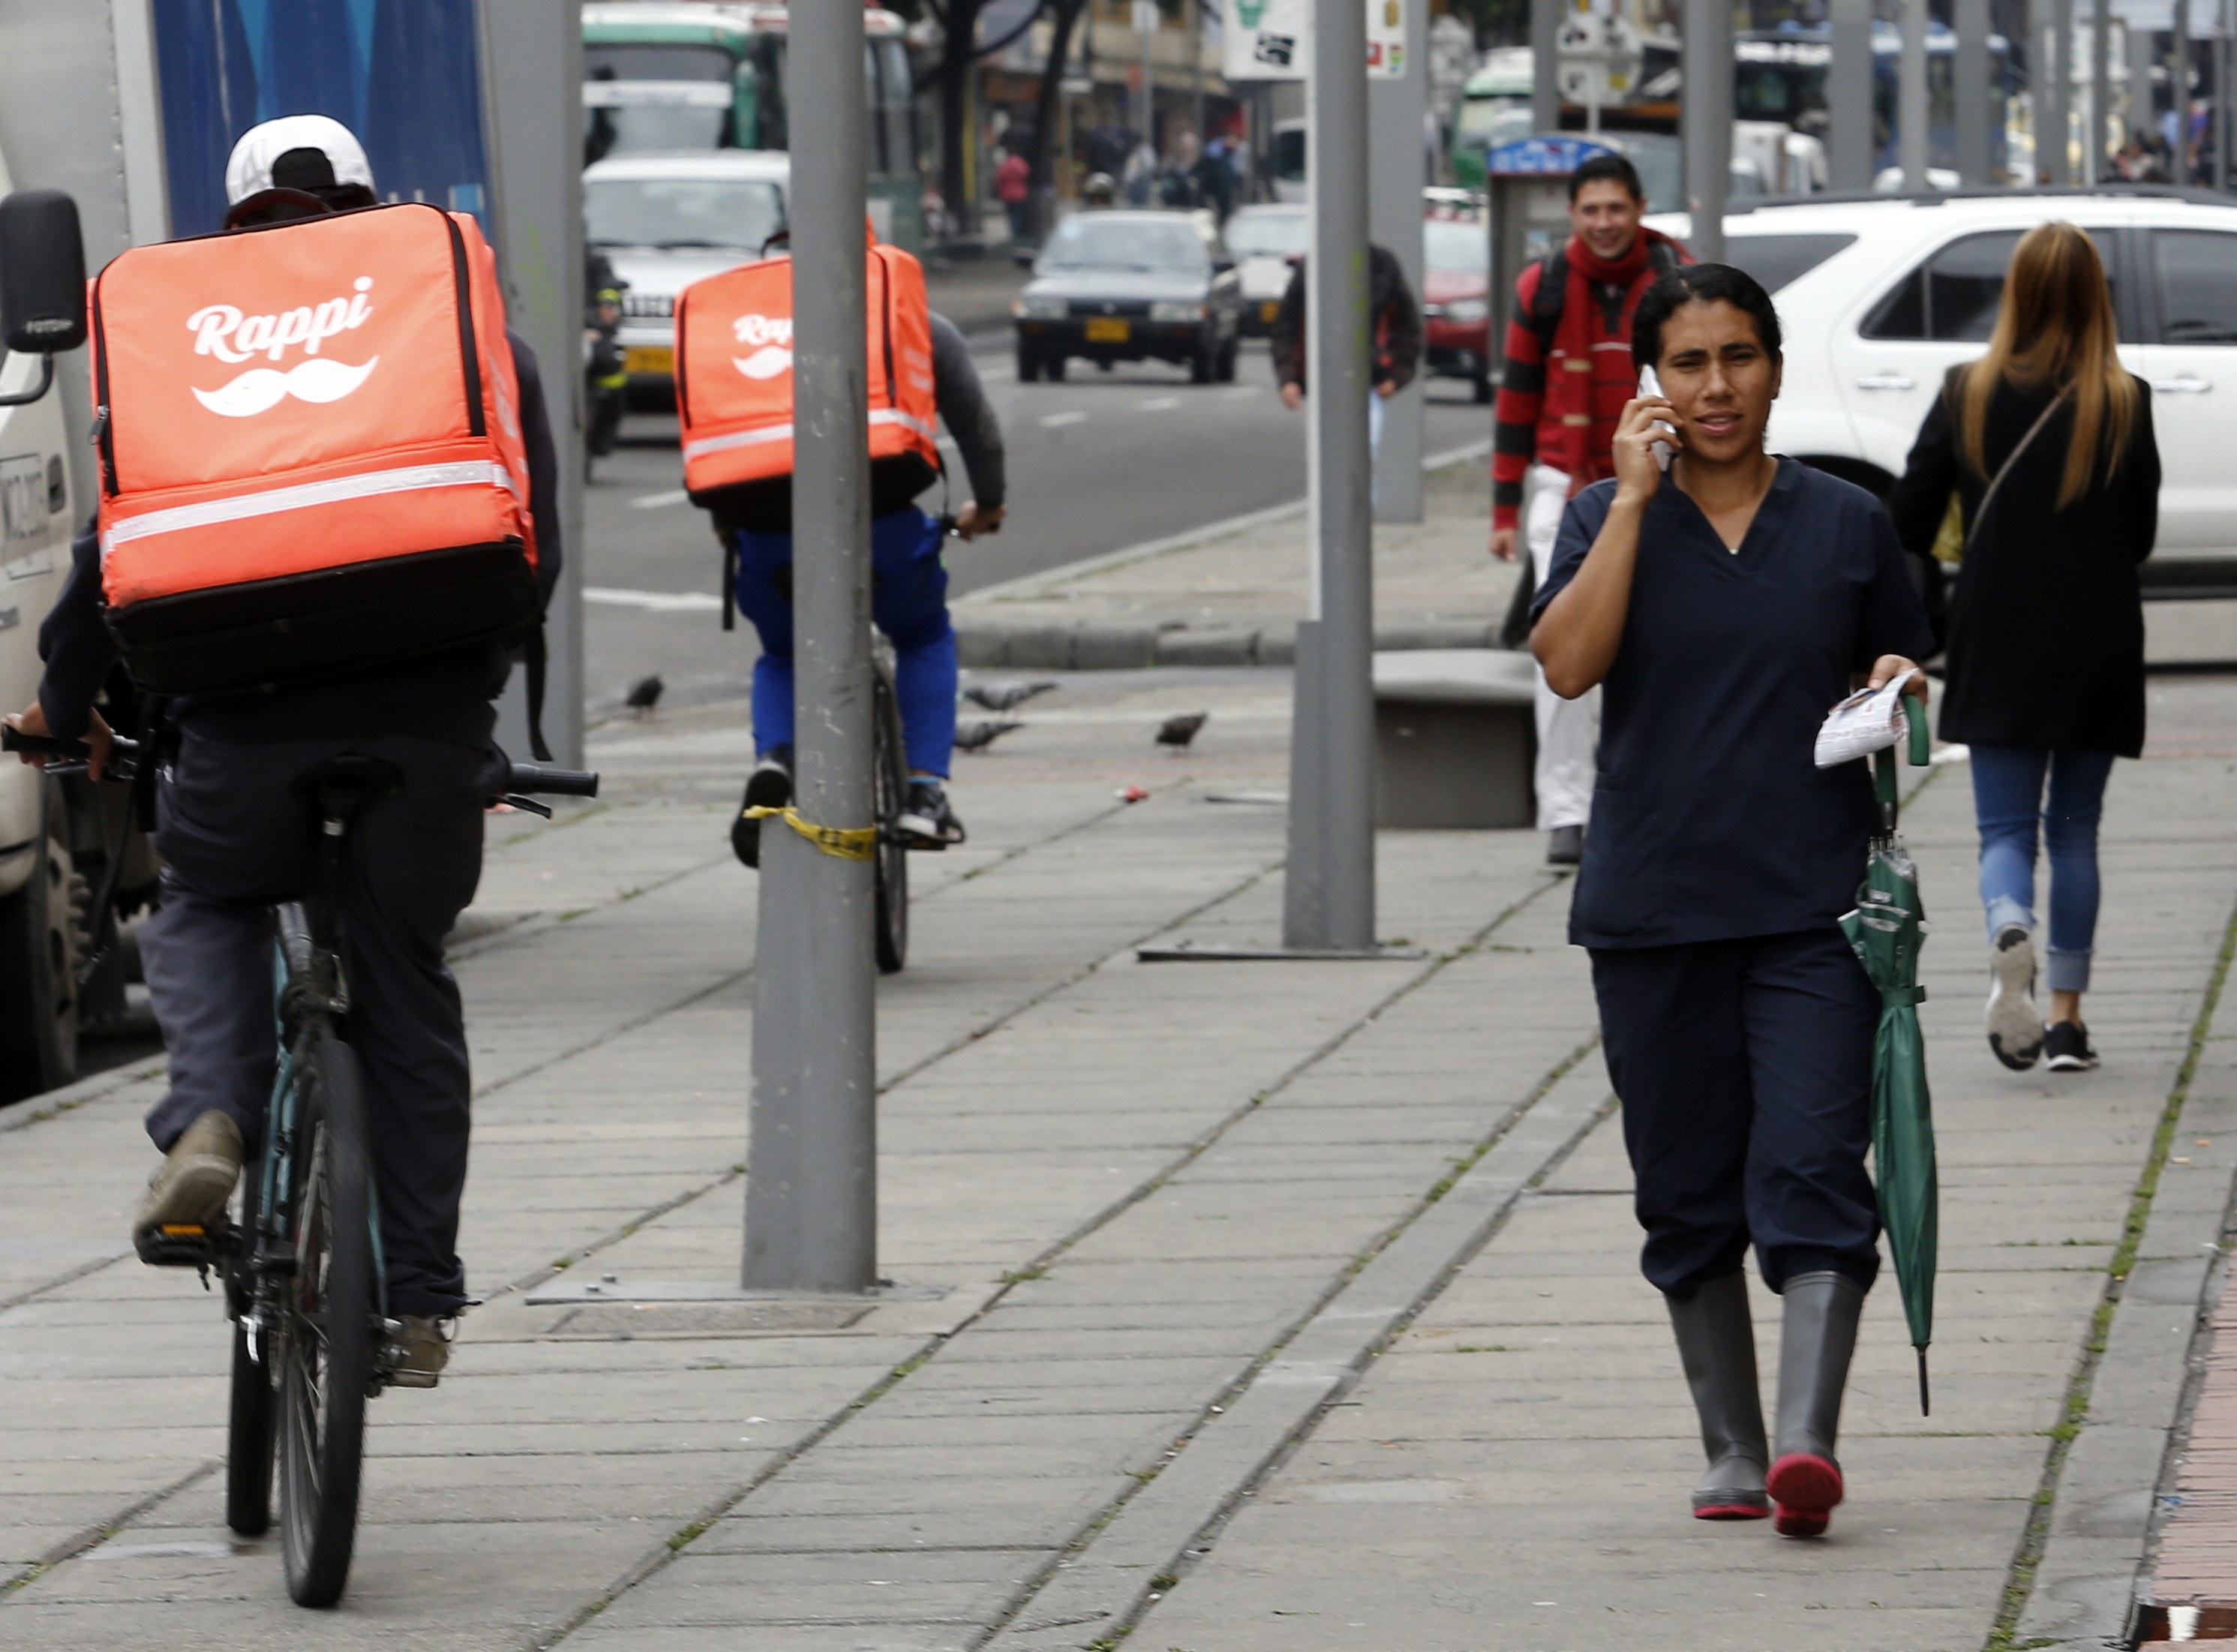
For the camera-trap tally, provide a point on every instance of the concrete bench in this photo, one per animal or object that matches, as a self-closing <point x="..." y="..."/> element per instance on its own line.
<point x="1455" y="738"/>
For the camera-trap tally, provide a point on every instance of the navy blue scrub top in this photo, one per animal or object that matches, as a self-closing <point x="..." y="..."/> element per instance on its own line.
<point x="1710" y="821"/>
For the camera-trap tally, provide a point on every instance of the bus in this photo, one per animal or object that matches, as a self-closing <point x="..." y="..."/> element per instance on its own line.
<point x="681" y="75"/>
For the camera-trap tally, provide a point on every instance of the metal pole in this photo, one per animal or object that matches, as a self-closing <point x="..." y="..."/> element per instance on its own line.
<point x="1910" y="117"/>
<point x="2141" y="97"/>
<point x="811" y="1170"/>
<point x="1196" y="70"/>
<point x="1969" y="66"/>
<point x="1396" y="107"/>
<point x="2221" y="111"/>
<point x="1706" y="120"/>
<point x="2094" y="166"/>
<point x="2055" y="120"/>
<point x="1545" y="88"/>
<point x="2179" y="90"/>
<point x="1146" y="17"/>
<point x="1328" y="897"/>
<point x="1849" y="96"/>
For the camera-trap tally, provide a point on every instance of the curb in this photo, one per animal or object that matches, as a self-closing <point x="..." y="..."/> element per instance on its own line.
<point x="1092" y="645"/>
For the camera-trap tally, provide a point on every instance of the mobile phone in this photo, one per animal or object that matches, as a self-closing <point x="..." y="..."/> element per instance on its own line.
<point x="1664" y="452"/>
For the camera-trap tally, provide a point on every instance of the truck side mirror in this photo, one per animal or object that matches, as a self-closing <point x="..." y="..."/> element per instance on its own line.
<point x="41" y="280"/>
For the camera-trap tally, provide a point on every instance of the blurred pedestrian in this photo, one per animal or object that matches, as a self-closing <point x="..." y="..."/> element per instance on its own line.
<point x="1394" y="322"/>
<point x="1013" y="184"/>
<point x="1726" y="606"/>
<point x="1566" y="379"/>
<point x="2047" y="444"/>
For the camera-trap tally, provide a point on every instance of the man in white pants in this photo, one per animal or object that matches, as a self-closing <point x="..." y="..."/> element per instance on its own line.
<point x="1569" y="731"/>
<point x="1564" y="380"/>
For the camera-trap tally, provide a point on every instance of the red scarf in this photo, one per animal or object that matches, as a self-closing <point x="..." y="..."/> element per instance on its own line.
<point x="1584" y="402"/>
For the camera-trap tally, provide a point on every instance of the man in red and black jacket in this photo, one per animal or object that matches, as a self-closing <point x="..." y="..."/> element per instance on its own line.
<point x="1567" y="377"/>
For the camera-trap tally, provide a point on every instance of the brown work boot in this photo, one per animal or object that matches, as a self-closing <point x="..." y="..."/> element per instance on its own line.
<point x="190" y="1187"/>
<point x="422" y="1349"/>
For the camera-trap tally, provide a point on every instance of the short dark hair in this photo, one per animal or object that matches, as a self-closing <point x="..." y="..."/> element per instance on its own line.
<point x="1606" y="166"/>
<point x="1700" y="284"/>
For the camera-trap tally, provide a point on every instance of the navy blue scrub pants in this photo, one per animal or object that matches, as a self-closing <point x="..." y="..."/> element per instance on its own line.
<point x="1745" y="1068"/>
<point x="235" y="840"/>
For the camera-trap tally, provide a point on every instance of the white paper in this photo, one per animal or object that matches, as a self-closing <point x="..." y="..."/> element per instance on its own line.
<point x="1868" y="720"/>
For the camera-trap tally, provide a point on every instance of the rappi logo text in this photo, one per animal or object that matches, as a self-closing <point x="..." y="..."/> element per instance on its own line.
<point x="772" y="337"/>
<point x="222" y="331"/>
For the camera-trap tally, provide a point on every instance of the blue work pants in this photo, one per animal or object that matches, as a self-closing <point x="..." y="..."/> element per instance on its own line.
<point x="2007" y="793"/>
<point x="1744" y="1069"/>
<point x="908" y="602"/>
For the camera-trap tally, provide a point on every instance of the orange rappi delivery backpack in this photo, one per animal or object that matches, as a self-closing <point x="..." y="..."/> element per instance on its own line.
<point x="310" y="449"/>
<point x="734" y="389"/>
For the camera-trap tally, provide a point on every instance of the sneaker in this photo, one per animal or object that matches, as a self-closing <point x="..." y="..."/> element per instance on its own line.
<point x="423" y="1348"/>
<point x="770" y="786"/>
<point x="2066" y="1048"/>
<point x="190" y="1187"/>
<point x="2015" y="1025"/>
<point x="926" y="822"/>
<point x="1565" y="846"/>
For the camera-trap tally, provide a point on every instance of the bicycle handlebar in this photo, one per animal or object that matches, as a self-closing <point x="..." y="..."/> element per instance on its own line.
<point x="560" y="783"/>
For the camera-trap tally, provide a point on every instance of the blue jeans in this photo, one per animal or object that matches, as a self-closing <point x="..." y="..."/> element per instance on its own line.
<point x="908" y="601"/>
<point x="2007" y="790"/>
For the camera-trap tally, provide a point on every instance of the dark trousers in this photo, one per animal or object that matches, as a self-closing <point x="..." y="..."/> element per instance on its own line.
<point x="1745" y="1068"/>
<point x="235" y="840"/>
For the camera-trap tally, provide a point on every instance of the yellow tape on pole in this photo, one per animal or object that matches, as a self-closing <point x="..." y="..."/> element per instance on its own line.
<point x="847" y="842"/>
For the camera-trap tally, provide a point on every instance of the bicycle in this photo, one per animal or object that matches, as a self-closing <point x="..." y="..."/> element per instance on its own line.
<point x="302" y="1268"/>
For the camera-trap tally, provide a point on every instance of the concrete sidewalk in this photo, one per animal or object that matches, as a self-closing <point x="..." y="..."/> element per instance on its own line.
<point x="1259" y="1305"/>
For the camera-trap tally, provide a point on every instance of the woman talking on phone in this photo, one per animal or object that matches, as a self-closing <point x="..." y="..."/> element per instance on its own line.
<point x="1723" y="606"/>
<point x="2047" y="444"/>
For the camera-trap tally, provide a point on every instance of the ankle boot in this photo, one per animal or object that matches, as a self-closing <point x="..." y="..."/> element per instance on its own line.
<point x="1815" y="1343"/>
<point x="1716" y="1343"/>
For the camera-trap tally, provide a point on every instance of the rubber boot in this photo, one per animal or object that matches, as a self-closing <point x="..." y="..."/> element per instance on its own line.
<point x="1716" y="1343"/>
<point x="1815" y="1344"/>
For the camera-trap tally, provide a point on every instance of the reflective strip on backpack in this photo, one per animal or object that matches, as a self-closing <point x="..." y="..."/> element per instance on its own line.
<point x="783" y="434"/>
<point x="339" y="489"/>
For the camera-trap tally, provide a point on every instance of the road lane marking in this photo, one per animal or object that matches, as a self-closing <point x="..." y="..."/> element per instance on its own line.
<point x="1157" y="404"/>
<point x="655" y="501"/>
<point x="657" y="602"/>
<point x="1059" y="421"/>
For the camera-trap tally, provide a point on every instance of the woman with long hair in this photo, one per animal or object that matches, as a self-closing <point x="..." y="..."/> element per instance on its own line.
<point x="2046" y="443"/>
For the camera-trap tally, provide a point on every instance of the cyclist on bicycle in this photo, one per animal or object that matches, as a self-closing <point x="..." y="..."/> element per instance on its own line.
<point x="908" y="601"/>
<point x="238" y="836"/>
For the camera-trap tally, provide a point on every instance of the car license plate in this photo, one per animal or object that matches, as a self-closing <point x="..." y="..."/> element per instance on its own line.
<point x="648" y="358"/>
<point x="1107" y="329"/>
<point x="1268" y="310"/>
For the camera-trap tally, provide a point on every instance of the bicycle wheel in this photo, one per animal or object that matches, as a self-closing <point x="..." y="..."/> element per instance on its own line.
<point x="889" y="792"/>
<point x="248" y="1423"/>
<point x="326" y="1345"/>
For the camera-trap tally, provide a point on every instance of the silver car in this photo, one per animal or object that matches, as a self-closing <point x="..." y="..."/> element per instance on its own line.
<point x="666" y="221"/>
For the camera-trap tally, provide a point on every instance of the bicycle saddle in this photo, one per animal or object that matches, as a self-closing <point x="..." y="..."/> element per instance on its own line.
<point x="352" y="774"/>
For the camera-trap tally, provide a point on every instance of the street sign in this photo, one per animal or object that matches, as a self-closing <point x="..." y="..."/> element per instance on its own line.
<point x="1541" y="157"/>
<point x="1273" y="39"/>
<point x="1598" y="59"/>
<point x="1386" y="39"/>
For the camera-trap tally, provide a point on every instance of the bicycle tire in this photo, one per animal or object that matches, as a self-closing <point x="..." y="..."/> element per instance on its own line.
<point x="249" y="1442"/>
<point x="327" y="1347"/>
<point x="889" y="793"/>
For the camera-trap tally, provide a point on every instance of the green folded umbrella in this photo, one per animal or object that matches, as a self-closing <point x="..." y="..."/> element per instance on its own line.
<point x="1887" y="929"/>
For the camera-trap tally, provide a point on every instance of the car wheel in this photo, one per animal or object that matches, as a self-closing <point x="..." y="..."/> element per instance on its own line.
<point x="1225" y="372"/>
<point x="1204" y="363"/>
<point x="1482" y="388"/>
<point x="1029" y="365"/>
<point x="42" y="940"/>
<point x="1053" y="368"/>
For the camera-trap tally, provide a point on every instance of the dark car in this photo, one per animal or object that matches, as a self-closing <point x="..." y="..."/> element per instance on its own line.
<point x="1130" y="286"/>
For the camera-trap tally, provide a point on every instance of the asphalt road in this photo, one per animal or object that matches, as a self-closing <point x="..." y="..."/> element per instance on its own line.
<point x="1098" y="462"/>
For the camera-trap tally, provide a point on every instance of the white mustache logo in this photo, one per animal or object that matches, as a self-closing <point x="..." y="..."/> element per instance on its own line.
<point x="261" y="389"/>
<point x="764" y="363"/>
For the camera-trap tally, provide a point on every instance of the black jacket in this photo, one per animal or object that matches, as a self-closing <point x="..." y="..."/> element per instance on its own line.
<point x="1394" y="318"/>
<point x="445" y="696"/>
<point x="2046" y="645"/>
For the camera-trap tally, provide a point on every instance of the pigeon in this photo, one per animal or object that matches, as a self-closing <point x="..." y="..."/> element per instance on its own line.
<point x="982" y="734"/>
<point x="645" y="694"/>
<point x="1000" y="696"/>
<point x="1176" y="732"/>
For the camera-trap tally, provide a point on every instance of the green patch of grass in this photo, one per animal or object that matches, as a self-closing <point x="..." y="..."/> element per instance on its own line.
<point x="1485" y="1348"/>
<point x="1163" y="1581"/>
<point x="1019" y="1276"/>
<point x="690" y="1533"/>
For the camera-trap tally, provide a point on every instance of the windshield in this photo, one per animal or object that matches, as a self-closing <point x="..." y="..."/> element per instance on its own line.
<point x="644" y="131"/>
<point x="739" y="213"/>
<point x="650" y="62"/>
<point x="1099" y="241"/>
<point x="1267" y="235"/>
<point x="1455" y="246"/>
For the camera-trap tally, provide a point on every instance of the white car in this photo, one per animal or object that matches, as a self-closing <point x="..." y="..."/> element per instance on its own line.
<point x="1264" y="242"/>
<point x="1878" y="298"/>
<point x="666" y="221"/>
